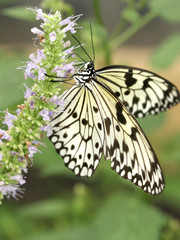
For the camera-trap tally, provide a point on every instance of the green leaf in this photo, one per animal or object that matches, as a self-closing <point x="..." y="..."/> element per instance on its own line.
<point x="125" y="217"/>
<point x="131" y="15"/>
<point x="166" y="9"/>
<point x="44" y="209"/>
<point x="167" y="52"/>
<point x="19" y="12"/>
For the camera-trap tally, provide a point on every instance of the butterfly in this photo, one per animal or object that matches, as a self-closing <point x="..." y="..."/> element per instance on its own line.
<point x="98" y="120"/>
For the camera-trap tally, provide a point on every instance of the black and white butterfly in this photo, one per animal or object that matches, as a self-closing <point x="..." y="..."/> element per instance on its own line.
<point x="98" y="120"/>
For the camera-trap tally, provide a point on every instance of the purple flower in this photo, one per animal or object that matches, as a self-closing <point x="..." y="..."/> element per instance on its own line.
<point x="41" y="74"/>
<point x="32" y="151"/>
<point x="40" y="14"/>
<point x="37" y="31"/>
<point x="33" y="65"/>
<point x="4" y="135"/>
<point x="65" y="21"/>
<point x="70" y="27"/>
<point x="31" y="104"/>
<point x="11" y="190"/>
<point x="9" y="118"/>
<point x="67" y="44"/>
<point x="18" y="178"/>
<point x="14" y="153"/>
<point x="28" y="92"/>
<point x="69" y="50"/>
<point x="32" y="57"/>
<point x="1" y="155"/>
<point x="69" y="68"/>
<point x="46" y="114"/>
<point x="63" y="71"/>
<point x="47" y="129"/>
<point x="28" y="70"/>
<point x="18" y="111"/>
<point x="53" y="36"/>
<point x="40" y="55"/>
<point x="71" y="23"/>
<point x="55" y="99"/>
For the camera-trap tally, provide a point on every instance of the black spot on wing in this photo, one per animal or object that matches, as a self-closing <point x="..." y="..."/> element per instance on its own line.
<point x="74" y="115"/>
<point x="96" y="145"/>
<point x="127" y="92"/>
<point x="95" y="109"/>
<point x="117" y="94"/>
<point x="130" y="81"/>
<point x="113" y="147"/>
<point x="117" y="128"/>
<point x="108" y="124"/>
<point x="65" y="135"/>
<point x="133" y="134"/>
<point x="146" y="83"/>
<point x="119" y="113"/>
<point x="99" y="126"/>
<point x="125" y="147"/>
<point x="135" y="100"/>
<point x="84" y="121"/>
<point x="72" y="147"/>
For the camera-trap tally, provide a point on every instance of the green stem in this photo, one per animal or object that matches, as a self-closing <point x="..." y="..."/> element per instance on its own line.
<point x="133" y="29"/>
<point x="97" y="10"/>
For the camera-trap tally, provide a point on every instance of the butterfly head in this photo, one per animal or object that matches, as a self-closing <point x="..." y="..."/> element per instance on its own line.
<point x="89" y="66"/>
<point x="86" y="73"/>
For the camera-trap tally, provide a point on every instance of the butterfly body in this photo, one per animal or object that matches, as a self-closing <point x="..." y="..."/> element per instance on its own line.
<point x="98" y="120"/>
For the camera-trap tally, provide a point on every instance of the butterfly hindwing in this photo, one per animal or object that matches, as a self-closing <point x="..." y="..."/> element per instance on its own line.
<point x="142" y="92"/>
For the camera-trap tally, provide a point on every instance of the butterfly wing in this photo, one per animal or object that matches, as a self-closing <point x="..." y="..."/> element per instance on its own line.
<point x="76" y="135"/>
<point x="93" y="122"/>
<point x="131" y="154"/>
<point x="142" y="92"/>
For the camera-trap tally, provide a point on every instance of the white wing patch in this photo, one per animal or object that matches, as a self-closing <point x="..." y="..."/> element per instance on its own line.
<point x="142" y="92"/>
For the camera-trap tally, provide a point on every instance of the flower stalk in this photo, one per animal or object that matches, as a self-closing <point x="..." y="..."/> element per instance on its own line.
<point x="20" y="141"/>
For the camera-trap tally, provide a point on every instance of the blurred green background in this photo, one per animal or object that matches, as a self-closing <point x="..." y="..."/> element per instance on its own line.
<point x="58" y="205"/>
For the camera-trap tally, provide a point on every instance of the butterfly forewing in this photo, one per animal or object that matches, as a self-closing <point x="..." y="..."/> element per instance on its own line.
<point x="142" y="92"/>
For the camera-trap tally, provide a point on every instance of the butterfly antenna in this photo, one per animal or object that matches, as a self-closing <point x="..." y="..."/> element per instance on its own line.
<point x="77" y="55"/>
<point x="92" y="42"/>
<point x="82" y="47"/>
